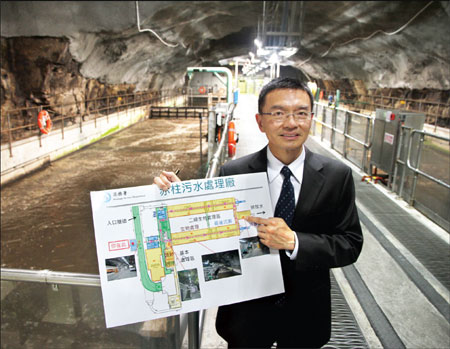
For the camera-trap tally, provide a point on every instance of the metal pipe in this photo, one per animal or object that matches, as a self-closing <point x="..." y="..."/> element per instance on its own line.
<point x="397" y="156"/>
<point x="213" y="167"/>
<point x="227" y="71"/>
<point x="416" y="175"/>
<point x="62" y="122"/>
<point x="50" y="277"/>
<point x="333" y="129"/>
<point x="236" y="69"/>
<point x="264" y="25"/>
<point x="193" y="330"/>
<point x="9" y="136"/>
<point x="368" y="127"/>
<point x="201" y="151"/>
<point x="346" y="123"/>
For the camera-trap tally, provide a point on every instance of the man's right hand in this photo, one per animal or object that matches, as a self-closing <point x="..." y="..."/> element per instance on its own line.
<point x="165" y="179"/>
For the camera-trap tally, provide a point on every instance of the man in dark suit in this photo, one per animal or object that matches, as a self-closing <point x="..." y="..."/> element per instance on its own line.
<point x="315" y="228"/>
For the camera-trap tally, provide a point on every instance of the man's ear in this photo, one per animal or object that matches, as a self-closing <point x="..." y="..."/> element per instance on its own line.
<point x="259" y="121"/>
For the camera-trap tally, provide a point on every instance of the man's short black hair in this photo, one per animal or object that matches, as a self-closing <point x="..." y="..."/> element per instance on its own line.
<point x="283" y="83"/>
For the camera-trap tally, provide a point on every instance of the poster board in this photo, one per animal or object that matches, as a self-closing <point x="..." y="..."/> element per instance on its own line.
<point x="163" y="253"/>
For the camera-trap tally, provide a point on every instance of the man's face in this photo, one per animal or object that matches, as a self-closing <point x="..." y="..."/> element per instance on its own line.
<point x="286" y="137"/>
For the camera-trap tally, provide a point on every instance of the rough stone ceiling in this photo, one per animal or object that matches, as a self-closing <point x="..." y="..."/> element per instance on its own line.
<point x="340" y="39"/>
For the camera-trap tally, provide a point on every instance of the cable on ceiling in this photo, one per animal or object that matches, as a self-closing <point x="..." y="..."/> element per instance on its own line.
<point x="368" y="37"/>
<point x="150" y="30"/>
<point x="394" y="32"/>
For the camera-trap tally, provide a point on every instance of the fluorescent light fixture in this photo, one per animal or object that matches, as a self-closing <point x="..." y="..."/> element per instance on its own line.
<point x="258" y="43"/>
<point x="288" y="51"/>
<point x="262" y="52"/>
<point x="274" y="58"/>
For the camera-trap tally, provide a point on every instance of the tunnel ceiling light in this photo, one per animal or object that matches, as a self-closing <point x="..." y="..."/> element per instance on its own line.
<point x="258" y="43"/>
<point x="288" y="52"/>
<point x="274" y="58"/>
<point x="262" y="52"/>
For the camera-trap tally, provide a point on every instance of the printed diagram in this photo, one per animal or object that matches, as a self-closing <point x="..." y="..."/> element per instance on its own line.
<point x="162" y="231"/>
<point x="164" y="253"/>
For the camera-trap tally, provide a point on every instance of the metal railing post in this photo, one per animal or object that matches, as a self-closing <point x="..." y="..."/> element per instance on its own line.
<point x="416" y="174"/>
<point x="9" y="136"/>
<point x="193" y="330"/>
<point x="333" y="127"/>
<point x="405" y="167"/>
<point x="95" y="112"/>
<point x="346" y="123"/>
<point x="201" y="152"/>
<point x="324" y="114"/>
<point x="366" y="141"/>
<point x="397" y="158"/>
<point x="81" y="123"/>
<point x="62" y="121"/>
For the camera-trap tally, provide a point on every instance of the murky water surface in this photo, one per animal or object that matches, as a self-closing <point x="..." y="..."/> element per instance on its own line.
<point x="46" y="218"/>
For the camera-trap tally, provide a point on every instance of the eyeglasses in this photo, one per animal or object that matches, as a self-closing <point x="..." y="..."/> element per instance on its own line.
<point x="279" y="115"/>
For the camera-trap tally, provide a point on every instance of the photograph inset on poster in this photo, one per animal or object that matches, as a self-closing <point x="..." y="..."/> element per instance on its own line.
<point x="221" y="265"/>
<point x="252" y="247"/>
<point x="189" y="285"/>
<point x="120" y="268"/>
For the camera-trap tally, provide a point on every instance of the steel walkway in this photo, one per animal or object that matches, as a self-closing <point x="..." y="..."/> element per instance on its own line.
<point x="397" y="294"/>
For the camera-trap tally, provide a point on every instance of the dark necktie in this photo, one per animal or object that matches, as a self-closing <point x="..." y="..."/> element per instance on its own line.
<point x="286" y="202"/>
<point x="285" y="209"/>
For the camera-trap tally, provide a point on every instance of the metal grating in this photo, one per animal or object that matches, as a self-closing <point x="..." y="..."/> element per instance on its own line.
<point x="429" y="249"/>
<point x="345" y="331"/>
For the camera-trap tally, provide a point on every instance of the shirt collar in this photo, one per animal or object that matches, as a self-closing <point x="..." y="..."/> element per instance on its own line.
<point x="274" y="166"/>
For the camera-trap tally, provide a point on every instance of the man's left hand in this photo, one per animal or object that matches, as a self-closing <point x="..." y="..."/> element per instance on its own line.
<point x="274" y="232"/>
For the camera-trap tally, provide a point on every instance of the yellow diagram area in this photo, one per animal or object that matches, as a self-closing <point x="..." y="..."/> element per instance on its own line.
<point x="153" y="257"/>
<point x="199" y="208"/>
<point x="156" y="257"/>
<point x="188" y="237"/>
<point x="243" y="214"/>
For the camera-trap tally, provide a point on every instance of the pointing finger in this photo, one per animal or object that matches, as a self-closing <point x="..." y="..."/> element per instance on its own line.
<point x="257" y="220"/>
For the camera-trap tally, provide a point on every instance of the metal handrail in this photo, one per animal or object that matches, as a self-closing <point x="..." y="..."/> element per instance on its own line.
<point x="150" y="96"/>
<point x="369" y="141"/>
<point x="344" y="133"/>
<point x="214" y="163"/>
<point x="391" y="98"/>
<point x="416" y="169"/>
<point x="47" y="276"/>
<point x="372" y="122"/>
<point x="195" y="319"/>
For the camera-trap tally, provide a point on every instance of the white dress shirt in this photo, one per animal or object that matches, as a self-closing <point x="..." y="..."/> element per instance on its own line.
<point x="275" y="178"/>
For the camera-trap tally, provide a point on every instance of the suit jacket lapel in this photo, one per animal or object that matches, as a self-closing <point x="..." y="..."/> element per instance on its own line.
<point x="312" y="184"/>
<point x="259" y="162"/>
